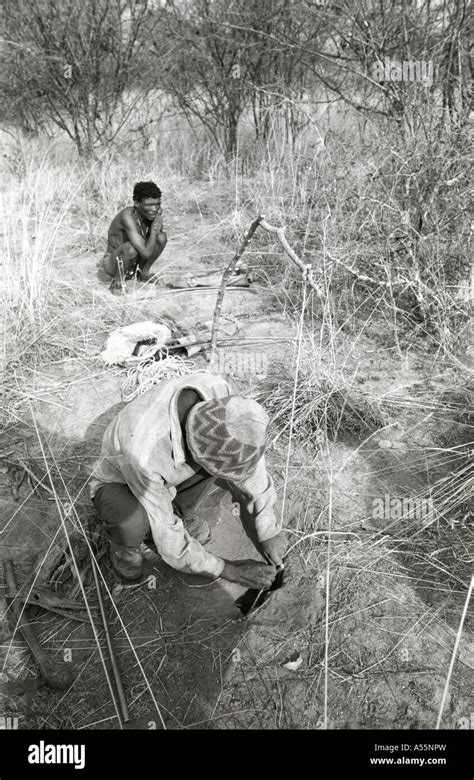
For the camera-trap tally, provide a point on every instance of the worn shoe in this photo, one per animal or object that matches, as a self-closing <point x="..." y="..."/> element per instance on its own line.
<point x="198" y="529"/>
<point x="127" y="561"/>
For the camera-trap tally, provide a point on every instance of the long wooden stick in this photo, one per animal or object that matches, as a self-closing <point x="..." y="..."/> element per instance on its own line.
<point x="110" y="647"/>
<point x="225" y="278"/>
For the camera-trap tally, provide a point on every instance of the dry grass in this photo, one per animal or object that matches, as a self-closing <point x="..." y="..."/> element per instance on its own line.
<point x="326" y="405"/>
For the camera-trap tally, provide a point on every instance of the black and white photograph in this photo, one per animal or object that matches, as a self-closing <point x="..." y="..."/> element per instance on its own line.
<point x="237" y="381"/>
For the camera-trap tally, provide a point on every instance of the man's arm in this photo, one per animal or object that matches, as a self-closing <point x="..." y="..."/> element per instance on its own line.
<point x="261" y="498"/>
<point x="146" y="249"/>
<point x="180" y="551"/>
<point x="172" y="541"/>
<point x="259" y="491"/>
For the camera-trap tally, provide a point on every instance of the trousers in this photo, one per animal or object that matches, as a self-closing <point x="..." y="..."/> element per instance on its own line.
<point x="126" y="521"/>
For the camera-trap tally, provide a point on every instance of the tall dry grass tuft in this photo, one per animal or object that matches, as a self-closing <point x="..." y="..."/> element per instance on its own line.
<point x="37" y="197"/>
<point x="328" y="403"/>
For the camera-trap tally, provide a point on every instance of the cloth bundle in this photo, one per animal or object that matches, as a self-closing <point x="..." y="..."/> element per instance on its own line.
<point x="145" y="341"/>
<point x="121" y="347"/>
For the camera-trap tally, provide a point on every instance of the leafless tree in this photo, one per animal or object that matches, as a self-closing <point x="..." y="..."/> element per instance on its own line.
<point x="224" y="57"/>
<point x="75" y="65"/>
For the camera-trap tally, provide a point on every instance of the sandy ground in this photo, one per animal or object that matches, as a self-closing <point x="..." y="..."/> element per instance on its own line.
<point x="196" y="661"/>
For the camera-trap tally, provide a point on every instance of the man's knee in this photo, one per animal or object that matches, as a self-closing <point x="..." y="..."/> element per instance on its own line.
<point x="124" y="518"/>
<point x="127" y="252"/>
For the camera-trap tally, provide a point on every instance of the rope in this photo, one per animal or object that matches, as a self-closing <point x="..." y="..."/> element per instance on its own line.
<point x="144" y="376"/>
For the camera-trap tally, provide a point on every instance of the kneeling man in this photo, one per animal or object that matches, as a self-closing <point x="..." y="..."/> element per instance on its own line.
<point x="161" y="454"/>
<point x="136" y="237"/>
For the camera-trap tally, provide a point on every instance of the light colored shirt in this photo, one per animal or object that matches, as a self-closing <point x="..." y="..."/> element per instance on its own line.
<point x="143" y="448"/>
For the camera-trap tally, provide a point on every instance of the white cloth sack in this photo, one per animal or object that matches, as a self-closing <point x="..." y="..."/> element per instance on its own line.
<point x="122" y="342"/>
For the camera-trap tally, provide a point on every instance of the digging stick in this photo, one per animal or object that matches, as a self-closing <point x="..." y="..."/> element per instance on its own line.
<point x="56" y="675"/>
<point x="110" y="647"/>
<point x="225" y="279"/>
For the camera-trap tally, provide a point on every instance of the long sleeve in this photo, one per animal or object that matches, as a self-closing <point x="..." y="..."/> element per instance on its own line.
<point x="177" y="548"/>
<point x="259" y="489"/>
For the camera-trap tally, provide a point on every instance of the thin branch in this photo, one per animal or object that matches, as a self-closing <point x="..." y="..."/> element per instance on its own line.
<point x="305" y="268"/>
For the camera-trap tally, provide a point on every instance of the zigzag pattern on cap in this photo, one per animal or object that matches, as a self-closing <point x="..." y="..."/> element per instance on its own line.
<point x="228" y="456"/>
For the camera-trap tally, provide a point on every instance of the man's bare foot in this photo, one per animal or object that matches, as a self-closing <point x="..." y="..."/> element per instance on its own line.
<point x="117" y="288"/>
<point x="147" y="277"/>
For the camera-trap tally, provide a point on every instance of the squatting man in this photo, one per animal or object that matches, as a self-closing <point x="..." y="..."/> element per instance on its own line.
<point x="136" y="237"/>
<point x="161" y="455"/>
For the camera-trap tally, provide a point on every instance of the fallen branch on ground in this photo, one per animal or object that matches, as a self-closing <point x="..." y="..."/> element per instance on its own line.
<point x="21" y="465"/>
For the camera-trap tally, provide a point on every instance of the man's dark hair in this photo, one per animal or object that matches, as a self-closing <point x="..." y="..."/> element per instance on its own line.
<point x="146" y="189"/>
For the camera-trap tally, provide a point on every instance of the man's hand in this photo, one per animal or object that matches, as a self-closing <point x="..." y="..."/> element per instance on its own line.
<point x="250" y="573"/>
<point x="157" y="223"/>
<point x="274" y="549"/>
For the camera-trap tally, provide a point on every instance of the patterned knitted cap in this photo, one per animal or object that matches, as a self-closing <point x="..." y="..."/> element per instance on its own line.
<point x="227" y="436"/>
